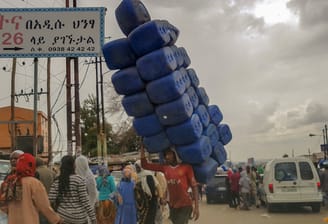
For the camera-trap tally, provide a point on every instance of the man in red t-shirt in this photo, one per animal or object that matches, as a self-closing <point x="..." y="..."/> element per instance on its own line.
<point x="179" y="178"/>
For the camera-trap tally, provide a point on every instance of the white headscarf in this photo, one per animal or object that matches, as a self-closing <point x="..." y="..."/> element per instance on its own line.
<point x="82" y="169"/>
<point x="142" y="177"/>
<point x="19" y="152"/>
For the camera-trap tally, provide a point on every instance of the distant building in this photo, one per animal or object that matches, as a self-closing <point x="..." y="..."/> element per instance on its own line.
<point x="23" y="131"/>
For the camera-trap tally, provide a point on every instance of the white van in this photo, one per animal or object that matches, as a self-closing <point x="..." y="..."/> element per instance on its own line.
<point x="292" y="181"/>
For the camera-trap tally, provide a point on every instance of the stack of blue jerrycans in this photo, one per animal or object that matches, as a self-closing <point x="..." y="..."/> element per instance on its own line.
<point x="162" y="93"/>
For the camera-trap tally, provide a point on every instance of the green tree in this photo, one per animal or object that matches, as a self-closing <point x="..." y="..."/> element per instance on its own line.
<point x="128" y="141"/>
<point x="124" y="139"/>
<point x="89" y="128"/>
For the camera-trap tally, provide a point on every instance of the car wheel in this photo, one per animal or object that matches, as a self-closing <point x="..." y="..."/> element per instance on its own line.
<point x="316" y="208"/>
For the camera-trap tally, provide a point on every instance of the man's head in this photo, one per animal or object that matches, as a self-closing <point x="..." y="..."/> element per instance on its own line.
<point x="13" y="158"/>
<point x="170" y="156"/>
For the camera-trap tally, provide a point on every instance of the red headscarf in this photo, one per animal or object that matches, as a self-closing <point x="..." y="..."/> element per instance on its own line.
<point x="25" y="166"/>
<point x="11" y="188"/>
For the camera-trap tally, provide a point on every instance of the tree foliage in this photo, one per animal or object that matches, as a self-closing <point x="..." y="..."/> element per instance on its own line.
<point x="122" y="140"/>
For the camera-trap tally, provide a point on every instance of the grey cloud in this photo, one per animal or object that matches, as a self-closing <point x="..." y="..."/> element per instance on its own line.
<point x="311" y="12"/>
<point x="259" y="120"/>
<point x="316" y="112"/>
<point x="312" y="113"/>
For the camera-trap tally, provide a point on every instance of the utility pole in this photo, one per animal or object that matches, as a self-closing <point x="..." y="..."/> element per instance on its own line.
<point x="68" y="102"/>
<point x="104" y="139"/>
<point x="77" y="127"/>
<point x="35" y="111"/>
<point x="69" y="112"/>
<point x="12" y="109"/>
<point x="325" y="145"/>
<point x="99" y="134"/>
<point x="49" y="113"/>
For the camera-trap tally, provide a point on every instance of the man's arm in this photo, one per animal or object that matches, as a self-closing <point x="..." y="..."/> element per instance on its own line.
<point x="146" y="165"/>
<point x="194" y="187"/>
<point x="195" y="212"/>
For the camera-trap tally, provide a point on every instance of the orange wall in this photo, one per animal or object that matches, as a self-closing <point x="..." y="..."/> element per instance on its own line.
<point x="22" y="114"/>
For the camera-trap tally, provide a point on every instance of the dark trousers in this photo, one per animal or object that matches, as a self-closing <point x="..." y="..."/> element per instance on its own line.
<point x="180" y="215"/>
<point x="235" y="200"/>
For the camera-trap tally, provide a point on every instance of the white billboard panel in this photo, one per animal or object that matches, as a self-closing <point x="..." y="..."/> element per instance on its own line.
<point x="51" y="32"/>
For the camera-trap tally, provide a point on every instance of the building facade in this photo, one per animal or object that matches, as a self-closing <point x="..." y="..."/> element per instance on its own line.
<point x="22" y="130"/>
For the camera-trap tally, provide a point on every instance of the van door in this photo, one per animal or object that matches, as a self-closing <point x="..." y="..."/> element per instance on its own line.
<point x="286" y="181"/>
<point x="309" y="180"/>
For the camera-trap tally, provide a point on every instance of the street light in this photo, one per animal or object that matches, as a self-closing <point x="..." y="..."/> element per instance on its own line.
<point x="325" y="139"/>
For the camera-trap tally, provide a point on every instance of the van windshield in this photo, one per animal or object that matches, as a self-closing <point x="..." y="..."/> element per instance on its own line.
<point x="285" y="171"/>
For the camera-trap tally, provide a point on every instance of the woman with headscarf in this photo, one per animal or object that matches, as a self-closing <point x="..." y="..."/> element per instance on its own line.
<point x="69" y="196"/>
<point x="13" y="160"/>
<point x="146" y="193"/>
<point x="126" y="211"/>
<point x="26" y="195"/>
<point x="82" y="169"/>
<point x="106" y="210"/>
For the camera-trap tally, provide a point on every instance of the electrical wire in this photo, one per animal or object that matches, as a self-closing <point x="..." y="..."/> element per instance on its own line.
<point x="59" y="94"/>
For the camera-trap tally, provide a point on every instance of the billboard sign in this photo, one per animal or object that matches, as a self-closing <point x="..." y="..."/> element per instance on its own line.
<point x="51" y="32"/>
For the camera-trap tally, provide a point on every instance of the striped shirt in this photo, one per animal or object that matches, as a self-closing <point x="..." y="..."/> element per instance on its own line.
<point x="74" y="206"/>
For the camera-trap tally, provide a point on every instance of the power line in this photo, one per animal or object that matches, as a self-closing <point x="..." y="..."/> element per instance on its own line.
<point x="60" y="92"/>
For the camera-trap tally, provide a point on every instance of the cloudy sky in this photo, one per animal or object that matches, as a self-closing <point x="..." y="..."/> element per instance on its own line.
<point x="263" y="62"/>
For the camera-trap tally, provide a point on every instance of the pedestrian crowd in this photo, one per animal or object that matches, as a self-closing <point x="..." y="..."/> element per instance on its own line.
<point x="148" y="193"/>
<point x="244" y="188"/>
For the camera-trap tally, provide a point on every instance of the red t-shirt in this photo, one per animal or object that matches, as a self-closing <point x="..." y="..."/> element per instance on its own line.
<point x="235" y="182"/>
<point x="179" y="178"/>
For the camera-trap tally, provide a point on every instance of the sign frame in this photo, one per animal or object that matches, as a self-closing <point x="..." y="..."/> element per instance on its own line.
<point x="63" y="37"/>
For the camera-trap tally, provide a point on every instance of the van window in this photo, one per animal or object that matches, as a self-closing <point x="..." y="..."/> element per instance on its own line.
<point x="285" y="171"/>
<point x="306" y="171"/>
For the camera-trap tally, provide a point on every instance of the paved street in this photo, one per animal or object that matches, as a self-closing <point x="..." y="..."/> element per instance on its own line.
<point x="221" y="213"/>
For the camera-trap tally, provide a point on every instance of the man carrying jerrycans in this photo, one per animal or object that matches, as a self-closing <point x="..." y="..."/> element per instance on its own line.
<point x="179" y="178"/>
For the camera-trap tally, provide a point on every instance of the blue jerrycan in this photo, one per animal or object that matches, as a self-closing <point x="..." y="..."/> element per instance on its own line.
<point x="147" y="126"/>
<point x="185" y="77"/>
<point x="178" y="56"/>
<point x="185" y="133"/>
<point x="157" y="143"/>
<point x="193" y="96"/>
<point x="203" y="115"/>
<point x="225" y="134"/>
<point x="212" y="133"/>
<point x="193" y="77"/>
<point x="219" y="153"/>
<point x="127" y="81"/>
<point x="195" y="153"/>
<point x="137" y="105"/>
<point x="152" y="36"/>
<point x="202" y="95"/>
<point x="131" y="14"/>
<point x="205" y="172"/>
<point x="215" y="114"/>
<point x="166" y="89"/>
<point x="118" y="54"/>
<point x="156" y="64"/>
<point x="175" y="112"/>
<point x="186" y="59"/>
